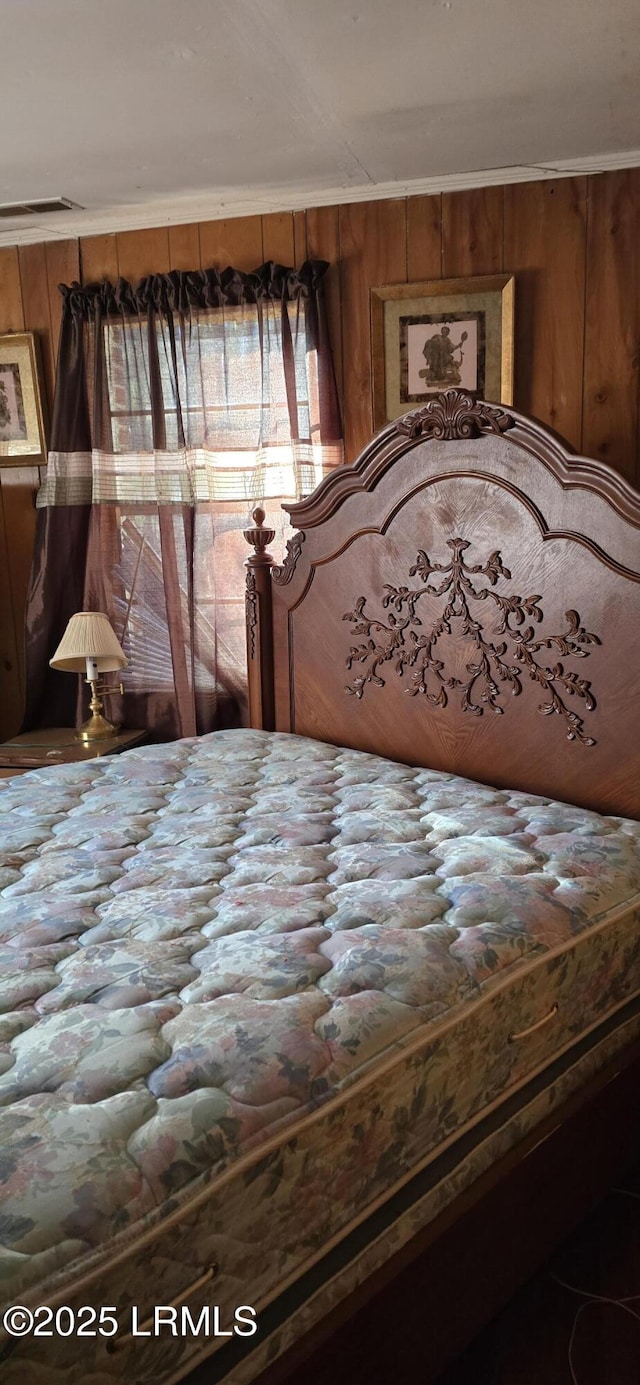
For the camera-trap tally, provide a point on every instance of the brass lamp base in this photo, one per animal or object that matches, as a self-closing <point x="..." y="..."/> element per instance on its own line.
<point x="97" y="728"/>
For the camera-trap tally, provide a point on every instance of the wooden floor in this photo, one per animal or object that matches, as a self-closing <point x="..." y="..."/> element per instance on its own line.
<point x="528" y="1343"/>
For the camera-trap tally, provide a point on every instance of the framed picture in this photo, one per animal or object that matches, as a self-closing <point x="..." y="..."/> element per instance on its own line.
<point x="440" y="335"/>
<point x="22" y="422"/>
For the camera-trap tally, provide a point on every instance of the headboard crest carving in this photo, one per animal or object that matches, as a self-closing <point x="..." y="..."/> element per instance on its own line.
<point x="399" y="641"/>
<point x="452" y="415"/>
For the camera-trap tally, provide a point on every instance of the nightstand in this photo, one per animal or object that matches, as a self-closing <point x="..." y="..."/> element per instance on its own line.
<point x="58" y="746"/>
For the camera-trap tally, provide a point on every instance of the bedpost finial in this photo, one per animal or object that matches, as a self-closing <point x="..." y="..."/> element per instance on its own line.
<point x="258" y="538"/>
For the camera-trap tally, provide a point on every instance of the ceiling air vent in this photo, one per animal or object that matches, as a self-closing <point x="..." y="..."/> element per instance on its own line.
<point x="39" y="208"/>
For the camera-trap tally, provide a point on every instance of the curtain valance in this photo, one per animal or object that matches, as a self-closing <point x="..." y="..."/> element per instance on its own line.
<point x="180" y="291"/>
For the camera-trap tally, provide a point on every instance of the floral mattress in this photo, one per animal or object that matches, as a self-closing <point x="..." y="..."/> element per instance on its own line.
<point x="250" y="984"/>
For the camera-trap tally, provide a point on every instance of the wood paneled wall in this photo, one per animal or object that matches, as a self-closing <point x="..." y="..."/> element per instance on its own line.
<point x="573" y="244"/>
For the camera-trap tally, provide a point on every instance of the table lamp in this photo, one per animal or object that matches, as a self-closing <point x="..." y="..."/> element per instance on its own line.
<point x="89" y="642"/>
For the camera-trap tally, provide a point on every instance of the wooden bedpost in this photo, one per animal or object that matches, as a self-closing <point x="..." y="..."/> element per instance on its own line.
<point x="259" y="625"/>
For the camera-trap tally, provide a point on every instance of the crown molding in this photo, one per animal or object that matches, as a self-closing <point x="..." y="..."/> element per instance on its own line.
<point x="221" y="205"/>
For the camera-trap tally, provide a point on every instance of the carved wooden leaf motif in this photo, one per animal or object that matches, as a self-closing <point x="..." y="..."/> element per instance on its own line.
<point x="284" y="573"/>
<point x="503" y="655"/>
<point x="251" y="611"/>
<point x="454" y="414"/>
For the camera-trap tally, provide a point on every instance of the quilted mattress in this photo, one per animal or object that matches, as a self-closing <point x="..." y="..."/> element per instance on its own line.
<point x="249" y="984"/>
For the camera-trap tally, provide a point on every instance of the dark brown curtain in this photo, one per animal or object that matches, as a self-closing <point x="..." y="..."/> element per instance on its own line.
<point x="180" y="404"/>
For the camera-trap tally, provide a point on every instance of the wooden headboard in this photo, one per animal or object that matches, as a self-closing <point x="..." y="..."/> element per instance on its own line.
<point x="466" y="597"/>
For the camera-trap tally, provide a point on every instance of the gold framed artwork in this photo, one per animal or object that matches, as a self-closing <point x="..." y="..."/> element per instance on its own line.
<point x="22" y="419"/>
<point x="438" y="335"/>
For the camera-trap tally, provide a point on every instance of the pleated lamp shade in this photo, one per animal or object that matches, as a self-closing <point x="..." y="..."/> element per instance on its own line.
<point x="89" y="635"/>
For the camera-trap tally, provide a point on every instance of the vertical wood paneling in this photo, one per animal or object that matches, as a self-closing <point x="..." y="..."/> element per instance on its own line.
<point x="19" y="487"/>
<point x="299" y="238"/>
<point x="373" y="241"/>
<point x="10" y="682"/>
<point x="612" y="329"/>
<point x="233" y="242"/>
<point x="143" y="252"/>
<point x="545" y="244"/>
<point x="424" y="238"/>
<point x="184" y="247"/>
<point x="11" y="313"/>
<point x="37" y="308"/>
<point x="472" y="232"/>
<point x="63" y="267"/>
<point x="99" y="259"/>
<point x="277" y="238"/>
<point x="323" y="243"/>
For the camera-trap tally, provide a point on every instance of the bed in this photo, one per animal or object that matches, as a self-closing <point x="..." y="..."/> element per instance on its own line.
<point x="278" y="1004"/>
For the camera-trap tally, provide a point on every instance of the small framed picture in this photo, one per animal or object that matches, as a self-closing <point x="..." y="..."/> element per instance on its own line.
<point x="440" y="335"/>
<point x="22" y="419"/>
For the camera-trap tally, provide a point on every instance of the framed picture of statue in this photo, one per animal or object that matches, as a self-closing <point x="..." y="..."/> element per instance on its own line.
<point x="439" y="335"/>
<point x="22" y="419"/>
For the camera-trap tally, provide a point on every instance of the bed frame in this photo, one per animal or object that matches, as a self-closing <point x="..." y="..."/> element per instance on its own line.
<point x="466" y="596"/>
<point x="465" y="575"/>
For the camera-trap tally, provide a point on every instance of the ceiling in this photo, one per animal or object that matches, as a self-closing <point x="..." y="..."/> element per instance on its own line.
<point x="154" y="111"/>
